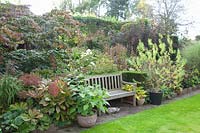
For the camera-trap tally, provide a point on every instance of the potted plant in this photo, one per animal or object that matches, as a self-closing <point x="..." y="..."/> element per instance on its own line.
<point x="155" y="83"/>
<point x="89" y="100"/>
<point x="155" y="96"/>
<point x="140" y="96"/>
<point x="128" y="87"/>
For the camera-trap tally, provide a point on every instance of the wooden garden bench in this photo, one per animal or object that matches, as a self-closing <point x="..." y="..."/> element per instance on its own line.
<point x="113" y="83"/>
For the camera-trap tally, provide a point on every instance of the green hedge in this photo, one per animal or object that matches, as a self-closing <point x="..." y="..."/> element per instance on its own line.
<point x="130" y="76"/>
<point x="191" y="54"/>
<point x="93" y="24"/>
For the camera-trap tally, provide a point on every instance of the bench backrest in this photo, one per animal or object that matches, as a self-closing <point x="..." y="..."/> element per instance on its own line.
<point x="109" y="82"/>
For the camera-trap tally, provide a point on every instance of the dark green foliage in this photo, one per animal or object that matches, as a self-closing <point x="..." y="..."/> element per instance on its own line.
<point x="11" y="120"/>
<point x="9" y="87"/>
<point x="132" y="76"/>
<point x="45" y="73"/>
<point x="2" y="64"/>
<point x="191" y="78"/>
<point x="167" y="93"/>
<point x="28" y="60"/>
<point x="19" y="118"/>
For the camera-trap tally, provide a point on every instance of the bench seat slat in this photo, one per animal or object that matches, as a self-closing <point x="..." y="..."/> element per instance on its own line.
<point x="102" y="80"/>
<point x="115" y="94"/>
<point x="112" y="83"/>
<point x="106" y="82"/>
<point x="119" y="82"/>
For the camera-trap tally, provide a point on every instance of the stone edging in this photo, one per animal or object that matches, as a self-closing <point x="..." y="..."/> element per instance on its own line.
<point x="183" y="92"/>
<point x="190" y="89"/>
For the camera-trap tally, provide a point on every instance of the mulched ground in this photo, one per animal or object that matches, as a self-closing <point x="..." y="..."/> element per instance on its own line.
<point x="125" y="109"/>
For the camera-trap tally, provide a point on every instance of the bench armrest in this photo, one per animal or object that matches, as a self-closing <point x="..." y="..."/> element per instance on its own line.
<point x="124" y="82"/>
<point x="129" y="83"/>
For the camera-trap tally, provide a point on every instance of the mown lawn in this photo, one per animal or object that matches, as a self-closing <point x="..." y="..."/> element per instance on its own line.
<point x="182" y="116"/>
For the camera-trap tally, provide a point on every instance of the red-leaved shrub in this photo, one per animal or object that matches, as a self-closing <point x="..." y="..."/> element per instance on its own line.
<point x="30" y="80"/>
<point x="54" y="88"/>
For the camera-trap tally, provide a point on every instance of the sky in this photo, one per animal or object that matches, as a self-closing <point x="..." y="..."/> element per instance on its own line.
<point x="191" y="13"/>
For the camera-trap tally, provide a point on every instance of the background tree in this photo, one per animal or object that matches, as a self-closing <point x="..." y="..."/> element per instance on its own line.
<point x="117" y="8"/>
<point x="168" y="14"/>
<point x="142" y="9"/>
<point x="67" y="5"/>
<point x="90" y="6"/>
<point x="83" y="6"/>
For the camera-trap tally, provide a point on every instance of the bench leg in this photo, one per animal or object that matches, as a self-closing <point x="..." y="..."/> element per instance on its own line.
<point x="122" y="100"/>
<point x="134" y="100"/>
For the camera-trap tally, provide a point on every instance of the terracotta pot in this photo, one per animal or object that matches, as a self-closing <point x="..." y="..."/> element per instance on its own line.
<point x="87" y="121"/>
<point x="140" y="102"/>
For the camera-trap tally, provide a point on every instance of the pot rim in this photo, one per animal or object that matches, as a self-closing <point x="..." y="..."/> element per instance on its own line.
<point x="156" y="92"/>
<point x="87" y="115"/>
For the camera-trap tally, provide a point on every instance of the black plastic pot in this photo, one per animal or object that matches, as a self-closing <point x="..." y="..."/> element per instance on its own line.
<point x="156" y="98"/>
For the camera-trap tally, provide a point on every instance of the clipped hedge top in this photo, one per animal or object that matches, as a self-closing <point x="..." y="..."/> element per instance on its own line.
<point x="130" y="76"/>
<point x="93" y="24"/>
<point x="133" y="72"/>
